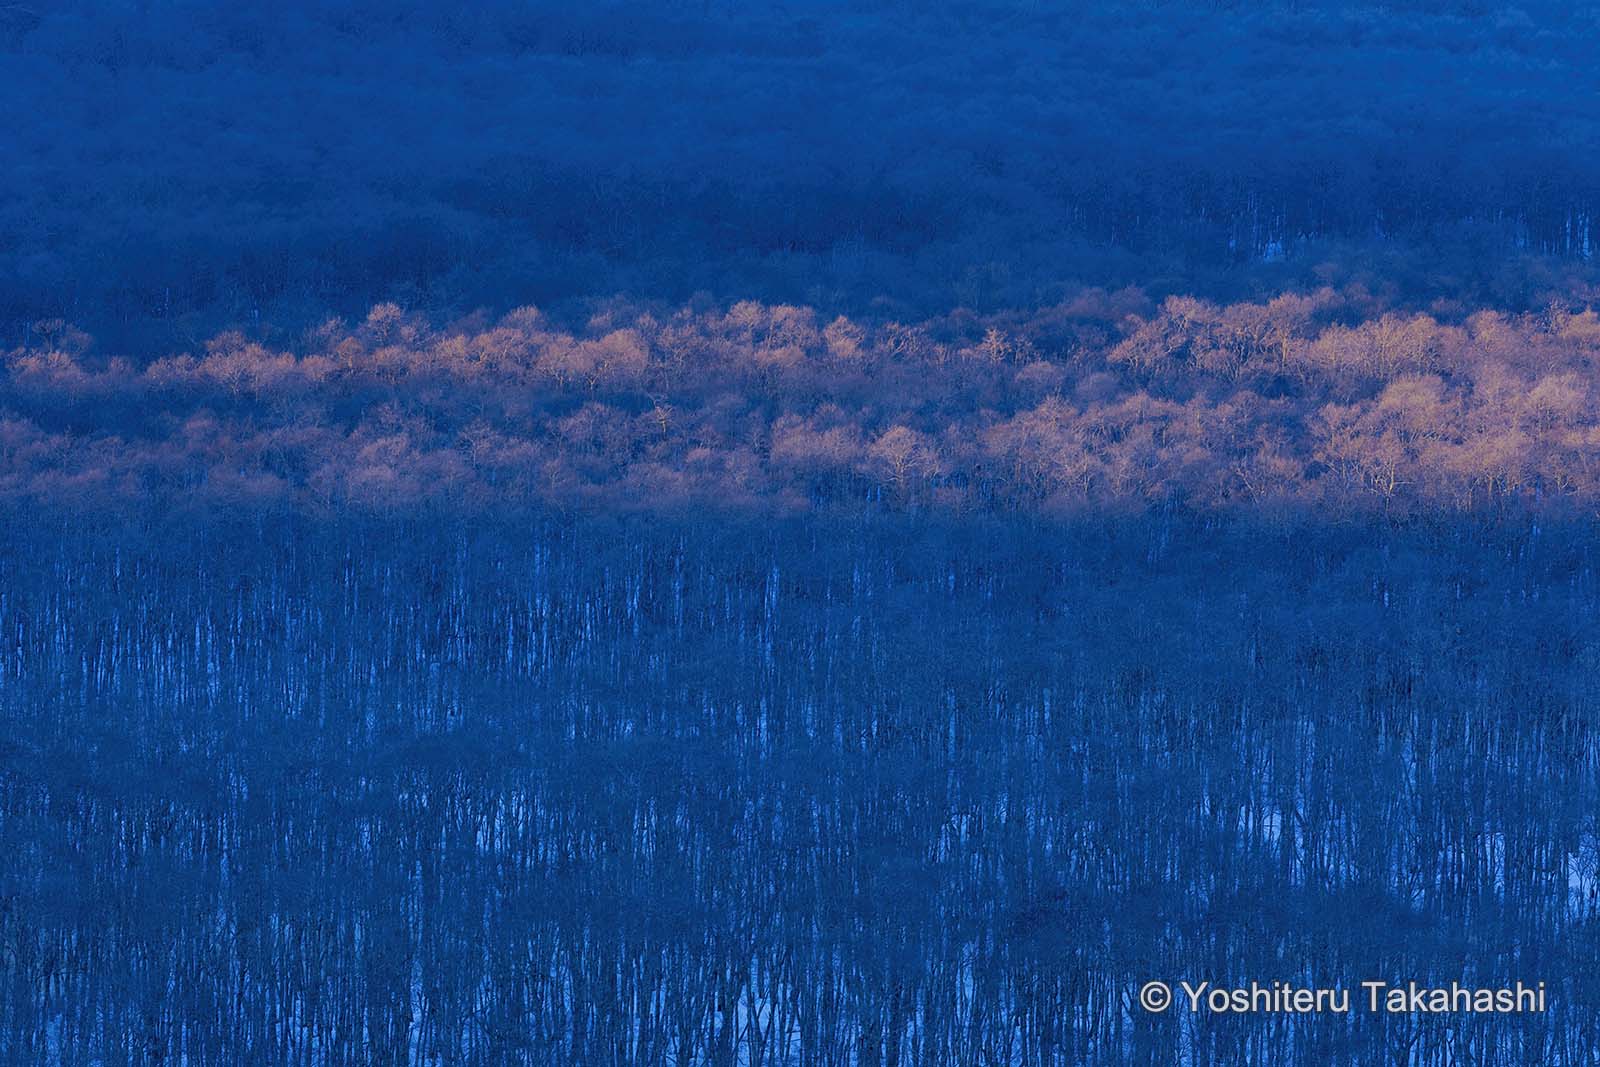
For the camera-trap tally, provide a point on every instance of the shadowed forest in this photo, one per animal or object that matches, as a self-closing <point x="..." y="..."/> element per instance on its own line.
<point x="882" y="794"/>
<point x="179" y="167"/>
<point x="796" y="535"/>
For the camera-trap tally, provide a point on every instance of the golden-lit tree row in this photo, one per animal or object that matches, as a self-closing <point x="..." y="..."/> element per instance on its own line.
<point x="1104" y="400"/>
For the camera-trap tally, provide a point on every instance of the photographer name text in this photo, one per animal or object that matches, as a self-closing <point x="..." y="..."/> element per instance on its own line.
<point x="1373" y="996"/>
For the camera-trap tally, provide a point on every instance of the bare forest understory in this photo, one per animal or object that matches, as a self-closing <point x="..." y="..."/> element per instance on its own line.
<point x="882" y="793"/>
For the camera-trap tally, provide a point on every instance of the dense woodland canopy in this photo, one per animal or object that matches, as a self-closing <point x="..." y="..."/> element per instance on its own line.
<point x="1105" y="400"/>
<point x="176" y="167"/>
<point x="844" y="533"/>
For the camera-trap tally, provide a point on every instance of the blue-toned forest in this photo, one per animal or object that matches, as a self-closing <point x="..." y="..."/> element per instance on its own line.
<point x="797" y="535"/>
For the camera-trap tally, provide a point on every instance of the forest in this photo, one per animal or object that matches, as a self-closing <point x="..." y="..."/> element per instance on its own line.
<point x="176" y="168"/>
<point x="691" y="533"/>
<point x="895" y="793"/>
<point x="1107" y="400"/>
